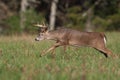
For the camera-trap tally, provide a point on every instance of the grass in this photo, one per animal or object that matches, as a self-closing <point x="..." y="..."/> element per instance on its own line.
<point x="19" y="60"/>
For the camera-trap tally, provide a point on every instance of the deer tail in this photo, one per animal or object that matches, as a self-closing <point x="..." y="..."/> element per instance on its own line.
<point x="104" y="37"/>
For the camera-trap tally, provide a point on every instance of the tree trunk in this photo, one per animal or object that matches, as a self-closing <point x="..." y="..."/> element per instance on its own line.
<point x="89" y="26"/>
<point x="24" y="5"/>
<point x="53" y="14"/>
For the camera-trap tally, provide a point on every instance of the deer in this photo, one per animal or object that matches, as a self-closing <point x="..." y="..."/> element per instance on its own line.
<point x="70" y="37"/>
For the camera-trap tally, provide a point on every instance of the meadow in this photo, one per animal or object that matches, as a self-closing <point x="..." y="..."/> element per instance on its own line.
<point x="19" y="60"/>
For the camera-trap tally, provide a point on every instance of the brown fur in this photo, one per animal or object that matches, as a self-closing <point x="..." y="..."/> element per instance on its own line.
<point x="72" y="37"/>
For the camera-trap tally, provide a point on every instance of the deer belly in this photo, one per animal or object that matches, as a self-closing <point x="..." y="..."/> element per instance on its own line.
<point x="77" y="43"/>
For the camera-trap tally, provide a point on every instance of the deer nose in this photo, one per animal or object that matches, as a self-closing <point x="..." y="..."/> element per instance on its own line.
<point x="36" y="39"/>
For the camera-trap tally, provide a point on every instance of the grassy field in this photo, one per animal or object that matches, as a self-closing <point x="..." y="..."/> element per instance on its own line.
<point x="19" y="60"/>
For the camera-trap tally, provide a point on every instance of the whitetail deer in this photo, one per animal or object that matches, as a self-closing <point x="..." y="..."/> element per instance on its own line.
<point x="64" y="36"/>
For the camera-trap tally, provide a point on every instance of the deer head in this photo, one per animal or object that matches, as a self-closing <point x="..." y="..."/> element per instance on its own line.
<point x="42" y="32"/>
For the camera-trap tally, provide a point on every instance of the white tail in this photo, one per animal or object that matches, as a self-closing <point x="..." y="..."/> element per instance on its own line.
<point x="105" y="40"/>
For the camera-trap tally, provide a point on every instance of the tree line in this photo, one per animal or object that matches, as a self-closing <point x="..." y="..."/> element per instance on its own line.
<point x="88" y="15"/>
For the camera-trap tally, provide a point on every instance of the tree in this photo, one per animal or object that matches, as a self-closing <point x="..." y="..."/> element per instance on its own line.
<point x="24" y="5"/>
<point x="53" y="14"/>
<point x="4" y="13"/>
<point x="89" y="26"/>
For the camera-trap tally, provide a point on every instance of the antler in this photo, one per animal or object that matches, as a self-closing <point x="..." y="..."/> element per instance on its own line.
<point x="39" y="25"/>
<point x="43" y="23"/>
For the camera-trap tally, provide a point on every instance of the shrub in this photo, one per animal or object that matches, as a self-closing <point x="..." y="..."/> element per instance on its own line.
<point x="14" y="23"/>
<point x="100" y="23"/>
<point x="114" y="22"/>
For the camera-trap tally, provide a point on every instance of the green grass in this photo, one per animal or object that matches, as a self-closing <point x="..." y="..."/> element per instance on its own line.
<point x="19" y="60"/>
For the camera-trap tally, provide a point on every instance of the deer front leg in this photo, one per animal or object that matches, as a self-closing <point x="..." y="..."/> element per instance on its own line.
<point x="51" y="49"/>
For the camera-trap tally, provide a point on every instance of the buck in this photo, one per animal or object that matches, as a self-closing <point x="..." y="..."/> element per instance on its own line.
<point x="64" y="37"/>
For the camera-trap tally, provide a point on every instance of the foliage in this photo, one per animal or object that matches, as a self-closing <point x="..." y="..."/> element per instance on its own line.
<point x="100" y="23"/>
<point x="105" y="17"/>
<point x="106" y="8"/>
<point x="75" y="18"/>
<point x="14" y="23"/>
<point x="111" y="23"/>
<point x="114" y="22"/>
<point x="32" y="17"/>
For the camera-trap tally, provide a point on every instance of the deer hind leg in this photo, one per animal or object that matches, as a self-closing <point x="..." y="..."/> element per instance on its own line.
<point x="104" y="50"/>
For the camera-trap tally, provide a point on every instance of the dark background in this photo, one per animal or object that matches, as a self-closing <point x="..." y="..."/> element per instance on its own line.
<point x="84" y="15"/>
